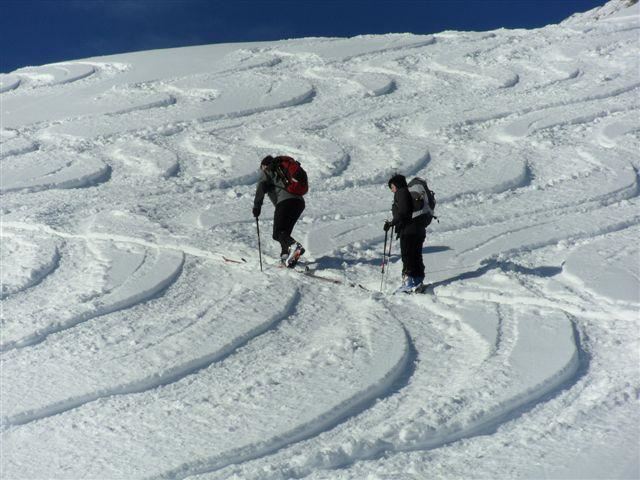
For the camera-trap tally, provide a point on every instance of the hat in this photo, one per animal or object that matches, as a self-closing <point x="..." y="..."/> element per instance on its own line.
<point x="398" y="180"/>
<point x="268" y="160"/>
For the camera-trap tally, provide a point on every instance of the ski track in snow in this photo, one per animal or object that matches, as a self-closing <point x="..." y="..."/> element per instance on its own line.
<point x="125" y="184"/>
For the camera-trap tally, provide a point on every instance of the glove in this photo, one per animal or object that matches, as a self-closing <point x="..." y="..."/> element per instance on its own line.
<point x="387" y="226"/>
<point x="256" y="212"/>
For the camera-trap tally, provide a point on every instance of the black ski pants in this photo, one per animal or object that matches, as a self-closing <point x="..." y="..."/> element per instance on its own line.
<point x="411" y="252"/>
<point x="285" y="217"/>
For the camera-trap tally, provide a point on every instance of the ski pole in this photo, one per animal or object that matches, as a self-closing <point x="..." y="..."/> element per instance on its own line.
<point x="384" y="252"/>
<point x="389" y="255"/>
<point x="259" y="246"/>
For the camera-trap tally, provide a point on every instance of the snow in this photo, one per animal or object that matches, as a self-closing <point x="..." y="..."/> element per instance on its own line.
<point x="131" y="349"/>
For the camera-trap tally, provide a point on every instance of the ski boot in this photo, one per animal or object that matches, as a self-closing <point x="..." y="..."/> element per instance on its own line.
<point x="409" y="284"/>
<point x="295" y="252"/>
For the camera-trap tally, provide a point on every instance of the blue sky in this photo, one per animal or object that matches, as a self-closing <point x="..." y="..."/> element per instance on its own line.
<point x="35" y="32"/>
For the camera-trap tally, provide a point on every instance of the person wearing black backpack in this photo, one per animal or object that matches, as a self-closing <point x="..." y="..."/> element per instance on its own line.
<point x="411" y="230"/>
<point x="284" y="182"/>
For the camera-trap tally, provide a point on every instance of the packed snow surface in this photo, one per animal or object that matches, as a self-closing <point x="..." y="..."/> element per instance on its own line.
<point x="131" y="348"/>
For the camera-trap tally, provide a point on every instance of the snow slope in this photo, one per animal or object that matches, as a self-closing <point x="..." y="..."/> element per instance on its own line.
<point x="131" y="349"/>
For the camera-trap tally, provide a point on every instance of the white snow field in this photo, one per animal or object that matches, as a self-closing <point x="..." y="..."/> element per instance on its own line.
<point x="131" y="349"/>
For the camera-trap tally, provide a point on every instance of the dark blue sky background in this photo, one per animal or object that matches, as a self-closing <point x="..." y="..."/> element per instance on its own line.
<point x="35" y="32"/>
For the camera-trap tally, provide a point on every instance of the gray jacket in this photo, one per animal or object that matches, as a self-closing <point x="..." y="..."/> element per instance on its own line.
<point x="270" y="184"/>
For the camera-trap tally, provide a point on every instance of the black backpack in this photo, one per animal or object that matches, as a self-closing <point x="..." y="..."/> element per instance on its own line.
<point x="424" y="200"/>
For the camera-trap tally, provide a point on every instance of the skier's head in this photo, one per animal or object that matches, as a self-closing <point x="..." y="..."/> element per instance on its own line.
<point x="266" y="162"/>
<point x="397" y="180"/>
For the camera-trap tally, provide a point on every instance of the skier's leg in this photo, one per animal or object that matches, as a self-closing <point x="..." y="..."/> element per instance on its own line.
<point x="287" y="213"/>
<point x="279" y="228"/>
<point x="412" y="260"/>
<point x="405" y="254"/>
<point x="296" y="250"/>
<point x="295" y="207"/>
<point x="414" y="273"/>
<point x="419" y="271"/>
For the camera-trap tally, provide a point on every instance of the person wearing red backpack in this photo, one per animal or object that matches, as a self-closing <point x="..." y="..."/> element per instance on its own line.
<point x="284" y="182"/>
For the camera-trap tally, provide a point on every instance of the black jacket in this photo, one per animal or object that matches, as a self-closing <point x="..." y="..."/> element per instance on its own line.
<point x="402" y="210"/>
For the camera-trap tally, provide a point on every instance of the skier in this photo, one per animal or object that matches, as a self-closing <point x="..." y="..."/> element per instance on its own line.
<point x="288" y="208"/>
<point x="411" y="232"/>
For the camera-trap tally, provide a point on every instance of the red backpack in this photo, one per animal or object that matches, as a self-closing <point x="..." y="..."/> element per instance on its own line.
<point x="292" y="175"/>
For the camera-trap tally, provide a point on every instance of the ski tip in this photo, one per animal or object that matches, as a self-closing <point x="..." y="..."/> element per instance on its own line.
<point x="426" y="288"/>
<point x="233" y="260"/>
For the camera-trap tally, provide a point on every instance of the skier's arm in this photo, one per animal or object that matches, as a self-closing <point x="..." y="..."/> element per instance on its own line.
<point x="261" y="189"/>
<point x="265" y="186"/>
<point x="402" y="209"/>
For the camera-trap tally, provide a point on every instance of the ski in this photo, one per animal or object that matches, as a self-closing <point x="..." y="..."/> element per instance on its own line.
<point x="425" y="288"/>
<point x="233" y="260"/>
<point x="310" y="272"/>
<point x="335" y="281"/>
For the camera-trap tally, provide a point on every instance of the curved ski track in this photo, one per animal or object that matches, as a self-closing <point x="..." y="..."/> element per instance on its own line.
<point x="133" y="275"/>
